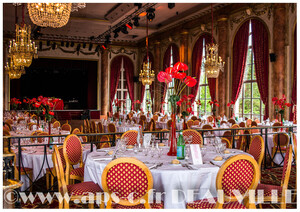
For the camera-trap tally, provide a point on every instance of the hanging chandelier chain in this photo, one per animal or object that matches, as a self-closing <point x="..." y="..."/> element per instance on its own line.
<point x="147" y="40"/>
<point x="23" y="9"/>
<point x="212" y="24"/>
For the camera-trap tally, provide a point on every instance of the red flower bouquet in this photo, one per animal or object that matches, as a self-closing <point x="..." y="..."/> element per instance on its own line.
<point x="280" y="105"/>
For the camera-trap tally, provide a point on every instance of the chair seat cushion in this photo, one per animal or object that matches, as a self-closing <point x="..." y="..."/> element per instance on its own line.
<point x="268" y="189"/>
<point x="140" y="206"/>
<point x="83" y="188"/>
<point x="78" y="172"/>
<point x="206" y="204"/>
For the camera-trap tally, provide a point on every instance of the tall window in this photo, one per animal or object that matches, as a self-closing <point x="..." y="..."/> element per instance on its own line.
<point x="249" y="103"/>
<point x="147" y="96"/>
<point x="167" y="106"/>
<point x="203" y="91"/>
<point x="122" y="92"/>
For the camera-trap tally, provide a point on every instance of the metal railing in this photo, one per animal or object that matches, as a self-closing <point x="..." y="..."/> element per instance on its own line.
<point x="160" y="136"/>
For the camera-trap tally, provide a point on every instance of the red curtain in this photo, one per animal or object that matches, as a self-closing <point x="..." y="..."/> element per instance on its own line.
<point x="294" y="91"/>
<point x="260" y="43"/>
<point x="115" y="69"/>
<point x="240" y="47"/>
<point x="167" y="63"/>
<point x="151" y="86"/>
<point x="197" y="62"/>
<point x="129" y="69"/>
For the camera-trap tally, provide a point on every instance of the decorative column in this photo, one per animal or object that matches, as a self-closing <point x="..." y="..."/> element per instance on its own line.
<point x="157" y="84"/>
<point x="104" y="83"/>
<point x="183" y="54"/>
<point x="279" y="34"/>
<point x="223" y="52"/>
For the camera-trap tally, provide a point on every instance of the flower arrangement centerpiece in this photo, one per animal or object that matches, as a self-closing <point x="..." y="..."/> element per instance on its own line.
<point x="181" y="81"/>
<point x="187" y="100"/>
<point x="198" y="103"/>
<point x="118" y="104"/>
<point x="162" y="107"/>
<point x="213" y="105"/>
<point x="231" y="106"/>
<point x="137" y="105"/>
<point x="14" y="102"/>
<point x="280" y="105"/>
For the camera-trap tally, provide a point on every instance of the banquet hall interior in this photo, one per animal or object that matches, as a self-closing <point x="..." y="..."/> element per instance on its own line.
<point x="149" y="105"/>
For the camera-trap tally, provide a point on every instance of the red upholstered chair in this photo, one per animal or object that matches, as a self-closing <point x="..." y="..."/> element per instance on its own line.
<point x="227" y="142"/>
<point x="210" y="119"/>
<point x="266" y="191"/>
<point x="239" y="173"/>
<point x="72" y="149"/>
<point x="190" y="123"/>
<point x="197" y="138"/>
<point x="132" y="136"/>
<point x="281" y="141"/>
<point x="76" y="131"/>
<point x="232" y="121"/>
<point x="66" y="127"/>
<point x="106" y="144"/>
<point x="56" y="124"/>
<point x="196" y="122"/>
<point x="100" y="130"/>
<point x="128" y="181"/>
<point x="76" y="191"/>
<point x="248" y="122"/>
<point x="257" y="149"/>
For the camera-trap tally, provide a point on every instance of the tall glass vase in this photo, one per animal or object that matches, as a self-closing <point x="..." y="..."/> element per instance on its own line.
<point x="49" y="128"/>
<point x="173" y="140"/>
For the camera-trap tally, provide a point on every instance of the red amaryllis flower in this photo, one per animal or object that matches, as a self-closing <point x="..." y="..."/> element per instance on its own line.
<point x="184" y="98"/>
<point x="217" y="104"/>
<point x="138" y="102"/>
<point x="180" y="66"/>
<point x="190" y="96"/>
<point x="51" y="113"/>
<point x="190" y="81"/>
<point x="189" y="110"/>
<point x="288" y="104"/>
<point x="210" y="102"/>
<point x="169" y="70"/>
<point x="164" y="77"/>
<point x="228" y="104"/>
<point x="37" y="104"/>
<point x="274" y="99"/>
<point x="179" y="103"/>
<point x="198" y="102"/>
<point x="40" y="98"/>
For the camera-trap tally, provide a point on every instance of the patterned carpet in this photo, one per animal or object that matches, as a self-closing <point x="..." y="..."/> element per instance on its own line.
<point x="269" y="176"/>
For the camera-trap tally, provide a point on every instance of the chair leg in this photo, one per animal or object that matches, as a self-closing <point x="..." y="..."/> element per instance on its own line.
<point x="61" y="205"/>
<point x="66" y="204"/>
<point x="30" y="175"/>
<point x="47" y="180"/>
<point x="52" y="181"/>
<point x="91" y="205"/>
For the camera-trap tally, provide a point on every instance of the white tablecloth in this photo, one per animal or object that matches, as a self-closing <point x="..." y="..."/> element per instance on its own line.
<point x="163" y="125"/>
<point x="123" y="127"/>
<point x="168" y="177"/>
<point x="33" y="157"/>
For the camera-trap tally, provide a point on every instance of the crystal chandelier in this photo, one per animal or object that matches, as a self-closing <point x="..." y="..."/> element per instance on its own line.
<point x="13" y="71"/>
<point x="22" y="49"/>
<point x="147" y="75"/>
<point x="76" y="6"/>
<point x="213" y="62"/>
<point x="50" y="14"/>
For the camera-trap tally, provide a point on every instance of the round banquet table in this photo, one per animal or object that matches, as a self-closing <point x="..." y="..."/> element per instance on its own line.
<point x="123" y="127"/>
<point x="168" y="177"/>
<point x="163" y="125"/>
<point x="33" y="157"/>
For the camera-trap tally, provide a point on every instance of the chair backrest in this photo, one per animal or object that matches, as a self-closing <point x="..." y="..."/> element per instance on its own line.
<point x="227" y="142"/>
<point x="223" y="122"/>
<point x="42" y="139"/>
<point x="66" y="127"/>
<point x="254" y="130"/>
<point x="100" y="127"/>
<point x="20" y="119"/>
<point x="257" y="149"/>
<point x="10" y="121"/>
<point x="287" y="164"/>
<point x="257" y="120"/>
<point x="253" y="123"/>
<point x="190" y="123"/>
<point x="227" y="134"/>
<point x="248" y="122"/>
<point x="143" y="117"/>
<point x="93" y="126"/>
<point x="33" y="134"/>
<point x="295" y="146"/>
<point x="277" y="124"/>
<point x="106" y="144"/>
<point x="197" y="138"/>
<point x="72" y="149"/>
<point x="76" y="131"/>
<point x="207" y="127"/>
<point x="83" y="138"/>
<point x="33" y="116"/>
<point x="155" y="117"/>
<point x="196" y="122"/>
<point x="242" y="124"/>
<point x="132" y="137"/>
<point x="283" y="139"/>
<point x="81" y="129"/>
<point x="59" y="169"/>
<point x="152" y="126"/>
<point x="210" y="119"/>
<point x="194" y="118"/>
<point x="56" y="124"/>
<point x="8" y="126"/>
<point x="232" y="121"/>
<point x="30" y="125"/>
<point x="111" y="127"/>
<point x="169" y="124"/>
<point x="129" y="179"/>
<point x="6" y="132"/>
<point x="238" y="173"/>
<point x="117" y="115"/>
